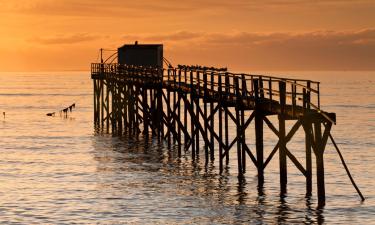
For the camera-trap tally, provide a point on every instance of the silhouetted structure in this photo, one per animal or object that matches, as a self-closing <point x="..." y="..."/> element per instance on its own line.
<point x="141" y="55"/>
<point x="191" y="104"/>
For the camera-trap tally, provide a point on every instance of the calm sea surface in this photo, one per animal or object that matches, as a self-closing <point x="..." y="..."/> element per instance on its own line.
<point x="58" y="170"/>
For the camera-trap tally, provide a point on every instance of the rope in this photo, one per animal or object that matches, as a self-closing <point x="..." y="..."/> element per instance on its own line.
<point x="346" y="168"/>
<point x="167" y="62"/>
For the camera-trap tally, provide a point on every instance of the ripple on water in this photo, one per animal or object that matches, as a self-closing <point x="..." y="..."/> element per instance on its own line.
<point x="56" y="170"/>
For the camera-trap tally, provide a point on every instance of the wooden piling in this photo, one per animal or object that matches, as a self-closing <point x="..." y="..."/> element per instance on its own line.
<point x="238" y="128"/>
<point x="205" y="99"/>
<point x="242" y="122"/>
<point x="282" y="140"/>
<point x="192" y="125"/>
<point x="226" y="117"/>
<point x="220" y="125"/>
<point x="212" y="142"/>
<point x="258" y="134"/>
<point x="197" y="107"/>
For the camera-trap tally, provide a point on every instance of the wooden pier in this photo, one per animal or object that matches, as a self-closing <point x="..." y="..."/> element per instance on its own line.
<point x="193" y="107"/>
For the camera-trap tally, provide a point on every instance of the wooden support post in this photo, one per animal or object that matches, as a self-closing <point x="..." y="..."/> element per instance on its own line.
<point x="179" y="113"/>
<point x="197" y="112"/>
<point x="212" y="142"/>
<point x="238" y="126"/>
<point x="226" y="119"/>
<point x="205" y="113"/>
<point x="308" y="132"/>
<point x="220" y="125"/>
<point x="319" y="163"/>
<point x="168" y="102"/>
<point x="145" y="114"/>
<point x="192" y="95"/>
<point x="113" y="122"/>
<point x="136" y="105"/>
<point x="174" y="104"/>
<point x="126" y="106"/>
<point x="132" y="102"/>
<point x="259" y="134"/>
<point x="308" y="139"/>
<point x="131" y="108"/>
<point x="95" y="103"/>
<point x="152" y="111"/>
<point x="102" y="103"/>
<point x="107" y="106"/>
<point x="243" y="130"/>
<point x="120" y="104"/>
<point x="185" y="110"/>
<point x="282" y="139"/>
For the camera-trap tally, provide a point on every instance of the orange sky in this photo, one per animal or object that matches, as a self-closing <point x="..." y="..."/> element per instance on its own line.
<point x="47" y="35"/>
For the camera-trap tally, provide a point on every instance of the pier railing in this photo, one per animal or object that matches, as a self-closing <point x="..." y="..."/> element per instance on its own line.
<point x="300" y="94"/>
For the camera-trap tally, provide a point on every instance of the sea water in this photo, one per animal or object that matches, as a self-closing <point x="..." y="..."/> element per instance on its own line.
<point x="60" y="170"/>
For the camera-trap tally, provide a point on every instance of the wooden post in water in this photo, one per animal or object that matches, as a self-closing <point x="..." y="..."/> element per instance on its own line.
<point x="226" y="125"/>
<point x="258" y="134"/>
<point x="242" y="122"/>
<point x="95" y="103"/>
<point x="197" y="97"/>
<point x="169" y="124"/>
<point x="174" y="105"/>
<point x="179" y="93"/>
<point x="185" y="111"/>
<point x="145" y="113"/>
<point x="126" y="106"/>
<point x="282" y="141"/>
<point x="238" y="126"/>
<point x="220" y="125"/>
<point x="102" y="103"/>
<point x="205" y="89"/>
<point x="107" y="106"/>
<point x="308" y="139"/>
<point x="319" y="163"/>
<point x="212" y="153"/>
<point x="113" y="106"/>
<point x="192" y="130"/>
<point x="320" y="144"/>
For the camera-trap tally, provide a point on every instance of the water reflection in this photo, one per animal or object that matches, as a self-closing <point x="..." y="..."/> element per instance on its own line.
<point x="151" y="181"/>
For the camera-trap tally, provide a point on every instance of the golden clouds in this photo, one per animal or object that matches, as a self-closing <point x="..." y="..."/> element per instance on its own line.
<point x="319" y="50"/>
<point x="65" y="39"/>
<point x="266" y="34"/>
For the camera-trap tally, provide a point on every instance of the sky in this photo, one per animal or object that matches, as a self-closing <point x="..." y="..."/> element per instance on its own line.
<point x="247" y="35"/>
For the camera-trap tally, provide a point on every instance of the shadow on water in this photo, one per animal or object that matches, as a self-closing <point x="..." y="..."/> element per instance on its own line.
<point x="199" y="193"/>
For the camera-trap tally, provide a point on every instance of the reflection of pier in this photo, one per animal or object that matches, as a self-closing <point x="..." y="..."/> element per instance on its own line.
<point x="190" y="105"/>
